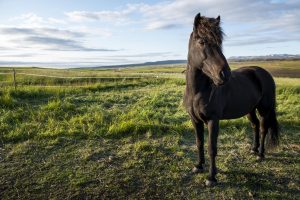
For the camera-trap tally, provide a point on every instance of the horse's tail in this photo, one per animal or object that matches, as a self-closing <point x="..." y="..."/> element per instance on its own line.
<point x="273" y="132"/>
<point x="269" y="103"/>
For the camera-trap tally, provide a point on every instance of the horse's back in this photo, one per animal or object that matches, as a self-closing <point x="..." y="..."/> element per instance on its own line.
<point x="259" y="76"/>
<point x="261" y="72"/>
<point x="247" y="87"/>
<point x="264" y="80"/>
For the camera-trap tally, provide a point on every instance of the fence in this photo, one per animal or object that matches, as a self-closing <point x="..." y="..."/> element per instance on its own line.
<point x="141" y="75"/>
<point x="14" y="78"/>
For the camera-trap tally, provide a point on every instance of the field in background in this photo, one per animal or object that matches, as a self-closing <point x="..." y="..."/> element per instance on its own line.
<point x="116" y="133"/>
<point x="286" y="68"/>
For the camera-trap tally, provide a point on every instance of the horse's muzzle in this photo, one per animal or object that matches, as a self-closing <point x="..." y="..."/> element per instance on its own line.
<point x="224" y="77"/>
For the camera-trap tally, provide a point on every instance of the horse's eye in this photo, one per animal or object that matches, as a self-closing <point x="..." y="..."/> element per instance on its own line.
<point x="202" y="42"/>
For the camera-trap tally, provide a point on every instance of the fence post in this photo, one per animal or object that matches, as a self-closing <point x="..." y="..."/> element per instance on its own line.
<point x="14" y="77"/>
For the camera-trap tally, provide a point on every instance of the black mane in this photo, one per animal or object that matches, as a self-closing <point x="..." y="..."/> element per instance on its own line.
<point x="210" y="30"/>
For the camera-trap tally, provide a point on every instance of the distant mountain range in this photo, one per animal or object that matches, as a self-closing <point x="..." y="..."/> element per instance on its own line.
<point x="230" y="59"/>
<point x="163" y="62"/>
<point x="266" y="57"/>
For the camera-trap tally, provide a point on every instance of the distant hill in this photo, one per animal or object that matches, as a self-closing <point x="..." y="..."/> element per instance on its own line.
<point x="230" y="59"/>
<point x="163" y="62"/>
<point x="266" y="57"/>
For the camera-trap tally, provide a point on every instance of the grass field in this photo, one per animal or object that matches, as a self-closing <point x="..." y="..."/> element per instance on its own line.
<point x="92" y="138"/>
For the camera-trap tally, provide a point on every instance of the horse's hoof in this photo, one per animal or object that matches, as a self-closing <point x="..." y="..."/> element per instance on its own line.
<point x="210" y="183"/>
<point x="253" y="152"/>
<point x="259" y="158"/>
<point x="197" y="170"/>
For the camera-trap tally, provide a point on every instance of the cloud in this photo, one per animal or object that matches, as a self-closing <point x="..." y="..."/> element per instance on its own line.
<point x="33" y="20"/>
<point x="256" y="19"/>
<point x="47" y="39"/>
<point x="254" y="14"/>
<point x="40" y="31"/>
<point x="21" y="55"/>
<point x="155" y="25"/>
<point x="259" y="40"/>
<point x="105" y="15"/>
<point x="34" y="32"/>
<point x="283" y="14"/>
<point x="59" y="44"/>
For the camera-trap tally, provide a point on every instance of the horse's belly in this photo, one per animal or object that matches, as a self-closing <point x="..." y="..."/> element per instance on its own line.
<point x="234" y="115"/>
<point x="239" y="107"/>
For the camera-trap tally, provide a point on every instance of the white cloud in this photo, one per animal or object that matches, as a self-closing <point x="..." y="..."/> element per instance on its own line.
<point x="155" y="25"/>
<point x="171" y="14"/>
<point x="253" y="19"/>
<point x="232" y="11"/>
<point x="104" y="15"/>
<point x="33" y="20"/>
<point x="44" y="39"/>
<point x="32" y="31"/>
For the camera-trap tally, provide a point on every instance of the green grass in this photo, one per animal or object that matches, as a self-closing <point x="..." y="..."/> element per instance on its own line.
<point x="121" y="138"/>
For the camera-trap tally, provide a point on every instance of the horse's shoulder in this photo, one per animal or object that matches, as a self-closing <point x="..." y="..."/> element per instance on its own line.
<point x="250" y="70"/>
<point x="253" y="72"/>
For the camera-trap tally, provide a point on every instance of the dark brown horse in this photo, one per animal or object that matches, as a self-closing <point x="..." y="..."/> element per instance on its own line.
<point x="214" y="92"/>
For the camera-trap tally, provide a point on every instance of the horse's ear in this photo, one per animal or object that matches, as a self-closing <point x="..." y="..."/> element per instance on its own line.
<point x="197" y="20"/>
<point x="218" y="19"/>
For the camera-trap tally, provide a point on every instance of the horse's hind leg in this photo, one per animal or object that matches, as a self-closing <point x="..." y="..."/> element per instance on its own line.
<point x="263" y="132"/>
<point x="255" y="126"/>
<point x="264" y="112"/>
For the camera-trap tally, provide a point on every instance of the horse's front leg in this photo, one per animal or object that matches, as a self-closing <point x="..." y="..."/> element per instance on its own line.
<point x="213" y="130"/>
<point x="199" y="132"/>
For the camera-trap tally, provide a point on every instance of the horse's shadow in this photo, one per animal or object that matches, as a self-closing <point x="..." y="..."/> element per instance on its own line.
<point x="239" y="175"/>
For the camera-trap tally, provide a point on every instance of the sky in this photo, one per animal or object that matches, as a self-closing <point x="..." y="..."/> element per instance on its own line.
<point x="78" y="33"/>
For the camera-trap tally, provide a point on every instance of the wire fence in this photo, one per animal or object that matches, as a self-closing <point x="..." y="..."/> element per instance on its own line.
<point x="132" y="76"/>
<point x="82" y="77"/>
<point x="141" y="75"/>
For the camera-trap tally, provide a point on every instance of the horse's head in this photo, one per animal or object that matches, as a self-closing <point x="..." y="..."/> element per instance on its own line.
<point x="205" y="49"/>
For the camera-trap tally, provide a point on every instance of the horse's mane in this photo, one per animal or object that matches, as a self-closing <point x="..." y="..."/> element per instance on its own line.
<point x="210" y="30"/>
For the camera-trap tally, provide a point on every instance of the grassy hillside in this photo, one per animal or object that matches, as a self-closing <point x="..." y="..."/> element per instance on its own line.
<point x="118" y="137"/>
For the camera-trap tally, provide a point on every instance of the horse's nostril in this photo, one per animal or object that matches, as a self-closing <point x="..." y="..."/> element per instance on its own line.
<point x="225" y="75"/>
<point x="222" y="75"/>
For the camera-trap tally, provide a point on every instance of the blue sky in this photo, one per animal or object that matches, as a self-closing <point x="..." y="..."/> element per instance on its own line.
<point x="67" y="33"/>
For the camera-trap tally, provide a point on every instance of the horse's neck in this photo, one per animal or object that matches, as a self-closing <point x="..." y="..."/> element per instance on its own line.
<point x="197" y="81"/>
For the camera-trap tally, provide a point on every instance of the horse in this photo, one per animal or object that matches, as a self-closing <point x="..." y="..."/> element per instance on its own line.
<point x="213" y="92"/>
